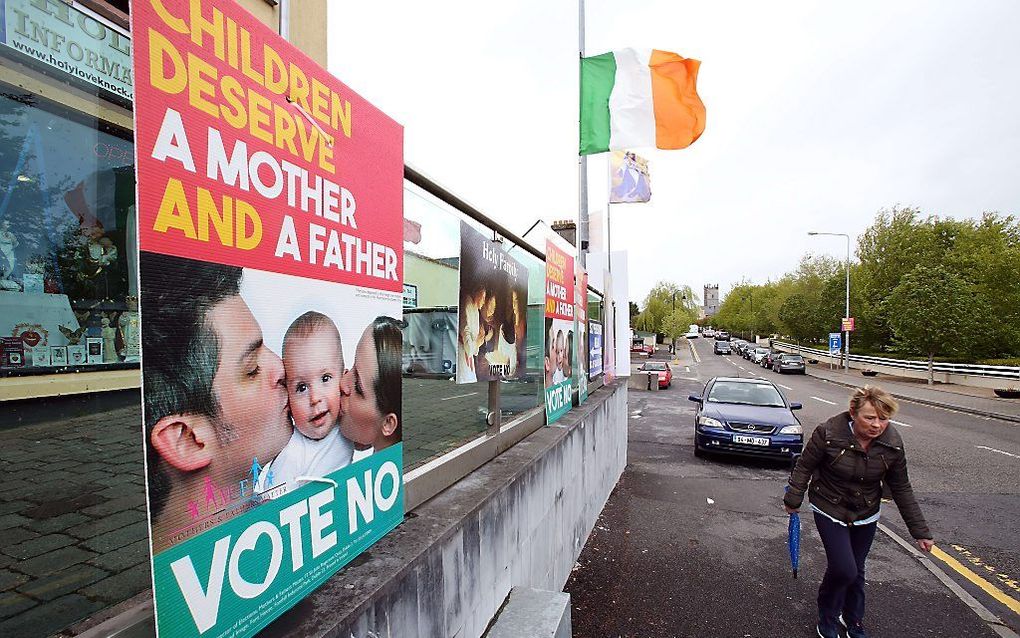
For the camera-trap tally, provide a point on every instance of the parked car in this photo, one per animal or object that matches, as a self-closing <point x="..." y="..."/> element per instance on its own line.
<point x="736" y="346"/>
<point x="770" y="358"/>
<point x="665" y="374"/>
<point x="747" y="350"/>
<point x="759" y="354"/>
<point x="722" y="335"/>
<point x="721" y="347"/>
<point x="789" y="363"/>
<point x="746" y="416"/>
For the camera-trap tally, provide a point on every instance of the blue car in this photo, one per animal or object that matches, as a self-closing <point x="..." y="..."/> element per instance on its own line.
<point x="749" y="417"/>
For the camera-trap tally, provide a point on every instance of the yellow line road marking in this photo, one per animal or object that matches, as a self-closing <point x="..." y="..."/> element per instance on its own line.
<point x="987" y="587"/>
<point x="971" y="558"/>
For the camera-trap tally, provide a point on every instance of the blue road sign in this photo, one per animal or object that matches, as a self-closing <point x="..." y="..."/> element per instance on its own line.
<point x="835" y="343"/>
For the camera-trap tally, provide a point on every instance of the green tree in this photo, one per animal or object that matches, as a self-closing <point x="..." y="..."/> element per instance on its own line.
<point x="799" y="316"/>
<point x="930" y="312"/>
<point x="660" y="302"/>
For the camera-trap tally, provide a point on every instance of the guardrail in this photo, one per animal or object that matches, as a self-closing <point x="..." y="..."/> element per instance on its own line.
<point x="962" y="373"/>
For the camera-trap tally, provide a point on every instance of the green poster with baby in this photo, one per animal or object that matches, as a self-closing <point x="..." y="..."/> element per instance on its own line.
<point x="270" y="302"/>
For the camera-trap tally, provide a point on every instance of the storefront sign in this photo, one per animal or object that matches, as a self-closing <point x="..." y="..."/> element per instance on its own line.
<point x="493" y="311"/>
<point x="410" y="296"/>
<point x="594" y="349"/>
<point x="270" y="222"/>
<point x="70" y="38"/>
<point x="559" y="330"/>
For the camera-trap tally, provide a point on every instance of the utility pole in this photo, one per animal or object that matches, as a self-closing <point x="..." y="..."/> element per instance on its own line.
<point x="846" y="333"/>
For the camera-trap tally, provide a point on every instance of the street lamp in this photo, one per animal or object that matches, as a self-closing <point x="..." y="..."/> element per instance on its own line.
<point x="683" y="297"/>
<point x="846" y="333"/>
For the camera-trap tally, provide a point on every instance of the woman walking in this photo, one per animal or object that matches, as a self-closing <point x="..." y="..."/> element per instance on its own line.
<point x="847" y="460"/>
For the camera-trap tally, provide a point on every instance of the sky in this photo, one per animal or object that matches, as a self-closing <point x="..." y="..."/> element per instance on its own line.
<point x="819" y="115"/>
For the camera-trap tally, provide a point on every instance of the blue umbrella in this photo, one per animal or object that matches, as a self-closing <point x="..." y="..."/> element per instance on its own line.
<point x="793" y="539"/>
<point x="794" y="542"/>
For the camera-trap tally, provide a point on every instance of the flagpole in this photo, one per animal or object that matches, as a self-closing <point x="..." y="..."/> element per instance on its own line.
<point x="582" y="161"/>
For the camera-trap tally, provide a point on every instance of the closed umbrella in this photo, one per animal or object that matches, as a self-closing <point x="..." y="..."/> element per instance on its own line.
<point x="793" y="540"/>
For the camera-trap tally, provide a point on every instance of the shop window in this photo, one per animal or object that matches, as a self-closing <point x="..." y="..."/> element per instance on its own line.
<point x="68" y="277"/>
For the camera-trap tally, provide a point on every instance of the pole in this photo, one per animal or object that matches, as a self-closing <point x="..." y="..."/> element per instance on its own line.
<point x="582" y="160"/>
<point x="674" y="327"/>
<point x="847" y="332"/>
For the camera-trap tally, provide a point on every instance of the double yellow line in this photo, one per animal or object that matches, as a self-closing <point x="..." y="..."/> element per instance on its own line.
<point x="987" y="587"/>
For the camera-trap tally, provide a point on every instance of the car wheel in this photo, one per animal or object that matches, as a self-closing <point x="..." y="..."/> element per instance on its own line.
<point x="698" y="452"/>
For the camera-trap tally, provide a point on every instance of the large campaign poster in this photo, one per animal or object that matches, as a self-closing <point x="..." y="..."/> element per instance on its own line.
<point x="559" y="331"/>
<point x="493" y="312"/>
<point x="594" y="349"/>
<point x="580" y="353"/>
<point x="270" y="222"/>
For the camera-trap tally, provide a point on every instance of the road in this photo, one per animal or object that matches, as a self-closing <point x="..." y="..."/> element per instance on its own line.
<point x="690" y="547"/>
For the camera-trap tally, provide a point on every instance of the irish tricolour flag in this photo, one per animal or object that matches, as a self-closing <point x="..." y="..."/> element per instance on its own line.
<point x="634" y="99"/>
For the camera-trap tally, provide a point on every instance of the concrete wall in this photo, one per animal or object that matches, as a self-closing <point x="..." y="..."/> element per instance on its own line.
<point x="520" y="520"/>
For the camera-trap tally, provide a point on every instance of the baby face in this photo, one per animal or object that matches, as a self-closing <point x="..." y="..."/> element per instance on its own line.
<point x="314" y="365"/>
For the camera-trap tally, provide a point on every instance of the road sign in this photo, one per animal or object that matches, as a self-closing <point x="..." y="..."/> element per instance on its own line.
<point x="835" y="342"/>
<point x="848" y="324"/>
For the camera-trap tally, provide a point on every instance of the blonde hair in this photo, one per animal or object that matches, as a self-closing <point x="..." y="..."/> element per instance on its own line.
<point x="882" y="401"/>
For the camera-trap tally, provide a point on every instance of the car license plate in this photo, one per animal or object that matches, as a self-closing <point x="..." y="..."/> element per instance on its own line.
<point x="750" y="440"/>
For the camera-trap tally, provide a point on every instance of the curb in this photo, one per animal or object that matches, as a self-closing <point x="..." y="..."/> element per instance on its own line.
<point x="936" y="404"/>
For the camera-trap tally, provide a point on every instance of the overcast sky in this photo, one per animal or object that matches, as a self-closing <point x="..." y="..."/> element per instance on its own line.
<point x="819" y="115"/>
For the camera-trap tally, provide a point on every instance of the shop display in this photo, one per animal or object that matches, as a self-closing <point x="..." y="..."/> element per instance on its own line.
<point x="12" y="352"/>
<point x="58" y="355"/>
<point x="41" y="356"/>
<point x="8" y="242"/>
<point x="77" y="355"/>
<point x="95" y="349"/>
<point x="65" y="232"/>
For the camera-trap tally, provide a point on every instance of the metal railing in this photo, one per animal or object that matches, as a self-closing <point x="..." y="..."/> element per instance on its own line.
<point x="992" y="372"/>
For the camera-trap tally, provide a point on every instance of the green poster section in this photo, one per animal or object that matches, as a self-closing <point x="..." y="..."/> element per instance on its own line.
<point x="557" y="400"/>
<point x="236" y="578"/>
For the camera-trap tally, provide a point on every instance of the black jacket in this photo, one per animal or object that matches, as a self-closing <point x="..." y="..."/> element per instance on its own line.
<point x="846" y="482"/>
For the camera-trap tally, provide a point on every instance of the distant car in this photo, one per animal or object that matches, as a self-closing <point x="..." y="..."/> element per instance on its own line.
<point x="746" y="350"/>
<point x="649" y="349"/>
<point x="772" y="355"/>
<point x="736" y="345"/>
<point x="709" y="333"/>
<point x="722" y="335"/>
<point x="759" y="354"/>
<point x="693" y="334"/>
<point x="746" y="416"/>
<point x="721" y="347"/>
<point x="665" y="374"/>
<point x="789" y="363"/>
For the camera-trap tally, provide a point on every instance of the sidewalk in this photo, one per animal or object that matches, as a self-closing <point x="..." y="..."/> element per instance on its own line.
<point x="980" y="401"/>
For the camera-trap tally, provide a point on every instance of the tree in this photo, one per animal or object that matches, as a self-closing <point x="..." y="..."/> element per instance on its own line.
<point x="677" y="323"/>
<point x="800" y="318"/>
<point x="634" y="311"/>
<point x="931" y="311"/>
<point x="660" y="302"/>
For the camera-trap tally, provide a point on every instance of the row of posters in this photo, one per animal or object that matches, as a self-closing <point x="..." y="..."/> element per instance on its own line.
<point x="273" y="320"/>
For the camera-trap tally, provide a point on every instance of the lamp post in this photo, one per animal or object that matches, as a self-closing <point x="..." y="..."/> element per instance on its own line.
<point x="846" y="333"/>
<point x="683" y="297"/>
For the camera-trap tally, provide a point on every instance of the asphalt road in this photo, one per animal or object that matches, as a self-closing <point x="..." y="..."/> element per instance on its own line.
<point x="691" y="547"/>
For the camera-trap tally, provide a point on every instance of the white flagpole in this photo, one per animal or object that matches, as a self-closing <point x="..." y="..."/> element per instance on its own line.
<point x="582" y="161"/>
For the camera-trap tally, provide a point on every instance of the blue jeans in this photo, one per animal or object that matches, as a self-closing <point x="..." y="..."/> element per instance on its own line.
<point x="842" y="588"/>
